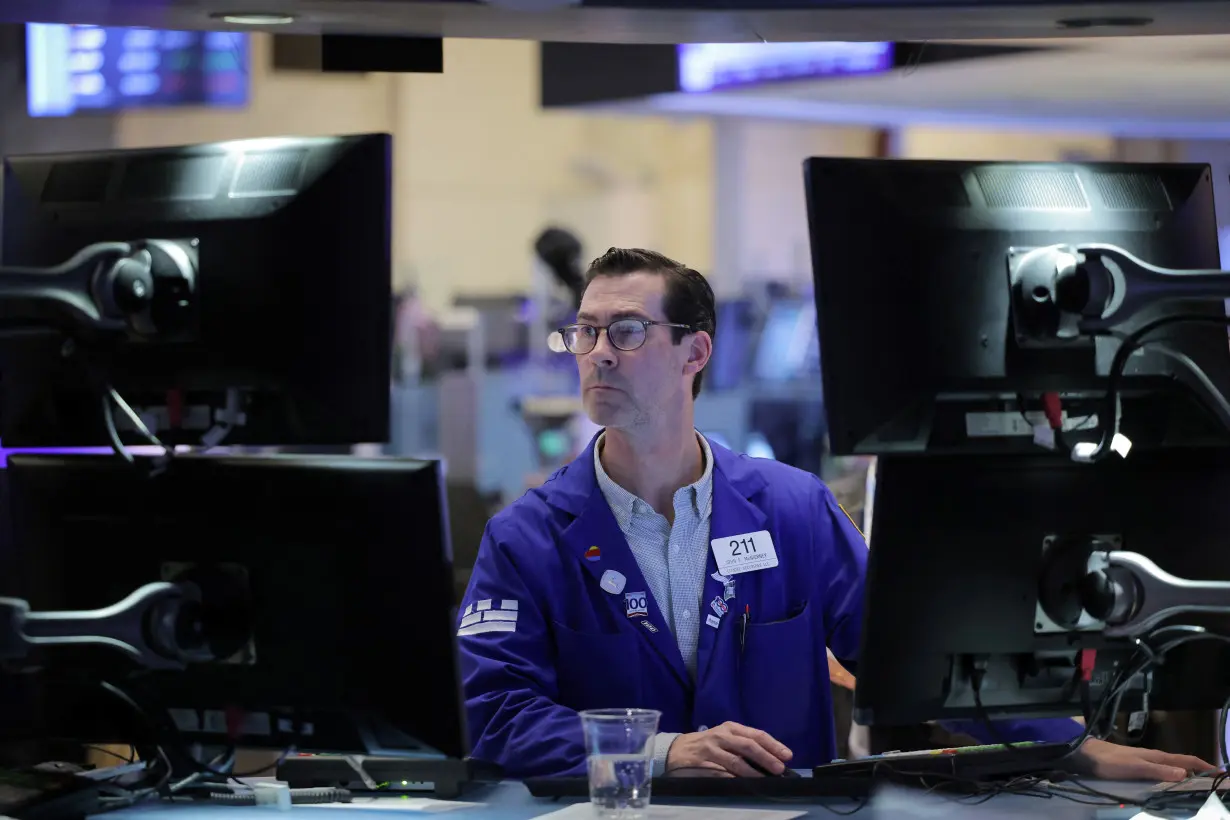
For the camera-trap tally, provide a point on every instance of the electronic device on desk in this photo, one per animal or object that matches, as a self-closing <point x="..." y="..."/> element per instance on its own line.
<point x="1024" y="335"/>
<point x="283" y="602"/>
<point x="444" y="777"/>
<point x="1004" y="603"/>
<point x="967" y="763"/>
<point x="238" y="290"/>
<point x="31" y="794"/>
<point x="982" y="288"/>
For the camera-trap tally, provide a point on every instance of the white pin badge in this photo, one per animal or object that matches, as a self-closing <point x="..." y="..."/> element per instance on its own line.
<point x="613" y="582"/>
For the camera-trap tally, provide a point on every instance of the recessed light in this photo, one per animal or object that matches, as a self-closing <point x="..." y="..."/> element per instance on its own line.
<point x="237" y="18"/>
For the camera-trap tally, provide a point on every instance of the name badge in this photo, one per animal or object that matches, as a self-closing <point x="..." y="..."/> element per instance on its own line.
<point x="748" y="552"/>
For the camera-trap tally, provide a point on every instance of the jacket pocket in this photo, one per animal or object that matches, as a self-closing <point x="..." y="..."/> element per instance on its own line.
<point x="777" y="677"/>
<point x="596" y="670"/>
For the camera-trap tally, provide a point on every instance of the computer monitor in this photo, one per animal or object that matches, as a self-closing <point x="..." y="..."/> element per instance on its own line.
<point x="326" y="586"/>
<point x="956" y="571"/>
<point x="786" y="349"/>
<point x="73" y="69"/>
<point x="737" y="321"/>
<point x="912" y="270"/>
<point x="291" y="244"/>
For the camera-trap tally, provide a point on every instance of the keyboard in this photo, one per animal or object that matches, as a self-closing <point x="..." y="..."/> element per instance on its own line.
<point x="718" y="787"/>
<point x="846" y="778"/>
<point x="989" y="762"/>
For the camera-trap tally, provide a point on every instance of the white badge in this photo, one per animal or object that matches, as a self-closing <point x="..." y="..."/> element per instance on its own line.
<point x="744" y="553"/>
<point x="613" y="582"/>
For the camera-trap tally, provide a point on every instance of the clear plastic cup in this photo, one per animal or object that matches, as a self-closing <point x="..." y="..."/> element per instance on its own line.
<point x="619" y="745"/>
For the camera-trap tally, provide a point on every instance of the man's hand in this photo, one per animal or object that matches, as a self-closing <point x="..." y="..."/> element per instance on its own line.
<point x="723" y="750"/>
<point x="1110" y="761"/>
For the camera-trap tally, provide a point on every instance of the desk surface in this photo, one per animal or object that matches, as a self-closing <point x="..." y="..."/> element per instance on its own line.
<point x="511" y="801"/>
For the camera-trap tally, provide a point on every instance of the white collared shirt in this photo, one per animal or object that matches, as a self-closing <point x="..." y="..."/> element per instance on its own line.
<point x="672" y="557"/>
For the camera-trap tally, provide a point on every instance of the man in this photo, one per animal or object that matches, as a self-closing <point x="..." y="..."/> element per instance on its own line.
<point x="660" y="570"/>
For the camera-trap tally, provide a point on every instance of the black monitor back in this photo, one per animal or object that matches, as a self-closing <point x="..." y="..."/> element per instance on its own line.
<point x="910" y="265"/>
<point x="956" y="554"/>
<point x="293" y="292"/>
<point x="350" y="596"/>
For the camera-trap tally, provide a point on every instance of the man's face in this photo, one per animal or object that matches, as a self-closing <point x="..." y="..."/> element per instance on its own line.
<point x="627" y="388"/>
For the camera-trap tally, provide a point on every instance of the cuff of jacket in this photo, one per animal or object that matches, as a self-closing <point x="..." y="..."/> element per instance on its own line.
<point x="661" y="748"/>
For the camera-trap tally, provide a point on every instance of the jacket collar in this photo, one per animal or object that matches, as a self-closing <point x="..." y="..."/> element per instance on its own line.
<point x="575" y="485"/>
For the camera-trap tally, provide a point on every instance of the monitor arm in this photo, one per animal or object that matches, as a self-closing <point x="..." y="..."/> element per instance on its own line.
<point x="1062" y="292"/>
<point x="145" y="289"/>
<point x="1087" y="584"/>
<point x="159" y="626"/>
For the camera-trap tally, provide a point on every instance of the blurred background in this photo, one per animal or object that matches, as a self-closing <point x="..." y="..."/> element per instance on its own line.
<point x="521" y="161"/>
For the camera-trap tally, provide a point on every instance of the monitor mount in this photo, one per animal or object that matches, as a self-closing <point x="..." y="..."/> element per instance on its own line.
<point x="144" y="290"/>
<point x="1063" y="293"/>
<point x="159" y="626"/>
<point x="1089" y="584"/>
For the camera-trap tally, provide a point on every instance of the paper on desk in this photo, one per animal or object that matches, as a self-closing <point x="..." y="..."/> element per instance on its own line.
<point x="1194" y="784"/>
<point x="1213" y="809"/>
<point x="585" y="811"/>
<point x="427" y="805"/>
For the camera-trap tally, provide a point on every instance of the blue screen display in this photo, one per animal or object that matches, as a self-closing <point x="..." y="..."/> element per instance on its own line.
<point x="72" y="69"/>
<point x="714" y="66"/>
<point x="789" y="346"/>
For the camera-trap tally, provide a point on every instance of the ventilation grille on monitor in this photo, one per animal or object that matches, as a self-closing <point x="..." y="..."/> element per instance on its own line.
<point x="270" y="173"/>
<point x="163" y="178"/>
<point x="1033" y="189"/>
<point x="1128" y="191"/>
<point x="170" y="177"/>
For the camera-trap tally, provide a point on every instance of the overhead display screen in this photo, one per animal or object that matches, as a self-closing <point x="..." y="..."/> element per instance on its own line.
<point x="714" y="66"/>
<point x="76" y="68"/>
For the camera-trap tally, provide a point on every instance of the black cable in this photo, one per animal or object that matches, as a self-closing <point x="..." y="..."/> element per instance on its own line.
<point x="168" y="735"/>
<point x="1132" y="342"/>
<point x="1112" y="695"/>
<point x="975" y="677"/>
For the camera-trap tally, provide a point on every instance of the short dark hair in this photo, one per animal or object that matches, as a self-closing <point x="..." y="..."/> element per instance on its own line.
<point x="688" y="300"/>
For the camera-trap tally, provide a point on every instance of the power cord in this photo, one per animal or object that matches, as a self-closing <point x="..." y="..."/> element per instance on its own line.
<point x="111" y="400"/>
<point x="1145" y="659"/>
<point x="167" y="735"/>
<point x="230" y="416"/>
<point x="1130" y="344"/>
<point x="976" y="675"/>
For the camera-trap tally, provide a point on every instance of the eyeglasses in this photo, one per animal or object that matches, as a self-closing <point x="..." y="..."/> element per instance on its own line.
<point x="624" y="334"/>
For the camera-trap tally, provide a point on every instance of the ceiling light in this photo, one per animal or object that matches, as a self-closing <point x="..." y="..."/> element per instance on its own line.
<point x="254" y="18"/>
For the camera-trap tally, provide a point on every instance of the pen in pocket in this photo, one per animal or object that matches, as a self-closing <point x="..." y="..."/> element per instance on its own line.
<point x="743" y="619"/>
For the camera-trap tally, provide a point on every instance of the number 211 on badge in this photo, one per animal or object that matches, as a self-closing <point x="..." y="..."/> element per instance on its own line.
<point x="744" y="553"/>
